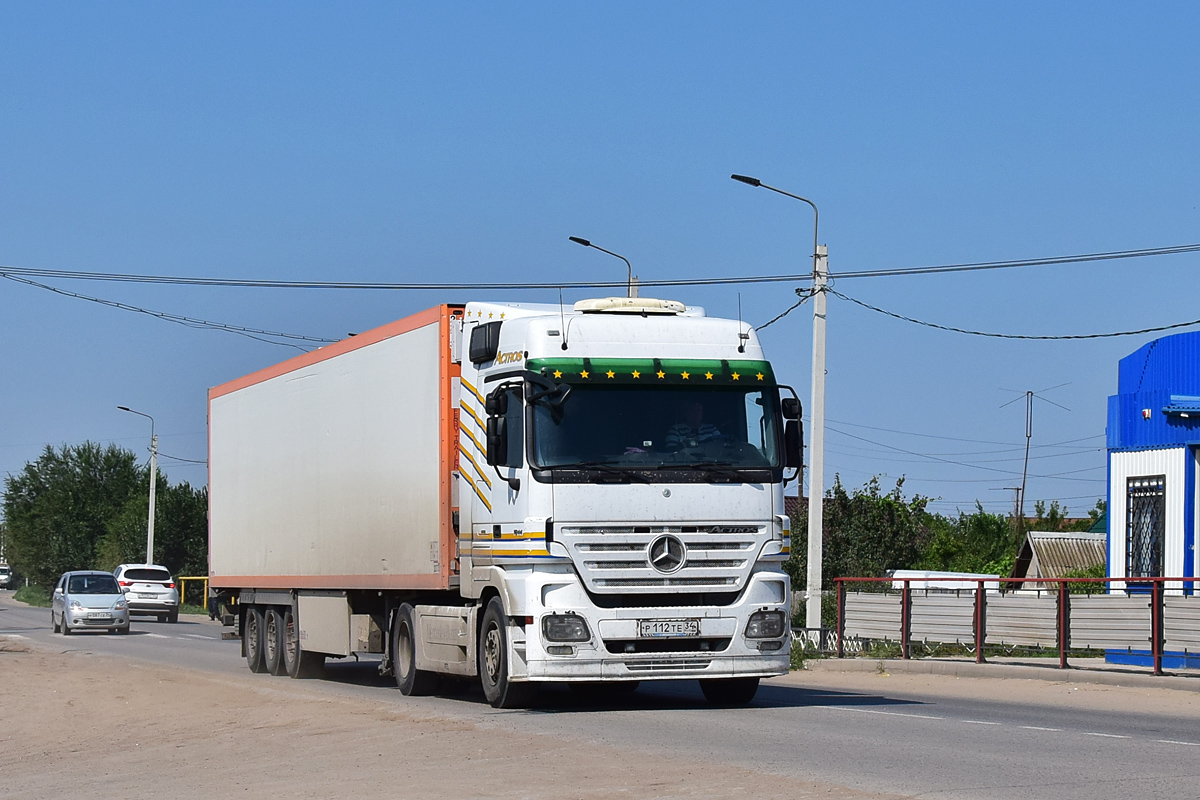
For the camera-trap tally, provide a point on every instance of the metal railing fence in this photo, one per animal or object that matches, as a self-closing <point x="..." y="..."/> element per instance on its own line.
<point x="1140" y="613"/>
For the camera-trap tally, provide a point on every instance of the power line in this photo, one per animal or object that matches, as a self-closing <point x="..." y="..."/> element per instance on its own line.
<point x="475" y="285"/>
<point x="188" y="460"/>
<point x="189" y="322"/>
<point x="804" y="295"/>
<point x="1013" y="335"/>
<point x="959" y="439"/>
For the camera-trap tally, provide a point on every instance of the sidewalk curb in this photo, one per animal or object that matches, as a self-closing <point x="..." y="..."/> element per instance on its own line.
<point x="969" y="669"/>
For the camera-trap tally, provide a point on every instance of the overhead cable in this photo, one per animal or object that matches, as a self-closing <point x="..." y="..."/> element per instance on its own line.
<point x="492" y="286"/>
<point x="952" y="329"/>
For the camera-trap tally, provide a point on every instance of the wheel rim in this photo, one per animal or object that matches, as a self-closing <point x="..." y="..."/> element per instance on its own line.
<point x="251" y="633"/>
<point x="291" y="645"/>
<point x="272" y="632"/>
<point x="404" y="650"/>
<point x="491" y="653"/>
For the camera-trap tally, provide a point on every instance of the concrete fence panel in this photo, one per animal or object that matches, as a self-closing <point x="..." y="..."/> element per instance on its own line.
<point x="1027" y="620"/>
<point x="872" y="615"/>
<point x="947" y="617"/>
<point x="1110" y="621"/>
<point x="1181" y="623"/>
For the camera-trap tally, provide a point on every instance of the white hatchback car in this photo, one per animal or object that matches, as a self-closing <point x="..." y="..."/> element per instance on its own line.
<point x="149" y="590"/>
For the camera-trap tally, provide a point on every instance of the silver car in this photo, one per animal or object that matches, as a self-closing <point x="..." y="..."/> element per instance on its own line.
<point x="88" y="599"/>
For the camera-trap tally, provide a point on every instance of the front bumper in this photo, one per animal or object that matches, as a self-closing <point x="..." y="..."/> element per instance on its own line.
<point x="79" y="618"/>
<point x="615" y="651"/>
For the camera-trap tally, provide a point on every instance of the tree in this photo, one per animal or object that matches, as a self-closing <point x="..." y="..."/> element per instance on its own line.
<point x="866" y="533"/>
<point x="976" y="542"/>
<point x="180" y="531"/>
<point x="56" y="509"/>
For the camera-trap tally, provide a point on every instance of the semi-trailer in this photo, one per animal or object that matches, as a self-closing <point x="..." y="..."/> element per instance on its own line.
<point x="512" y="492"/>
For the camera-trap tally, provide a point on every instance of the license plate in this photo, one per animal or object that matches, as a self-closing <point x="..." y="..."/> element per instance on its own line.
<point x="147" y="596"/>
<point x="668" y="627"/>
<point x="98" y="615"/>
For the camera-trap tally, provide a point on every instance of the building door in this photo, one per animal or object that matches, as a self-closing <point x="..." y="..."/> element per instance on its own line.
<point x="1145" y="527"/>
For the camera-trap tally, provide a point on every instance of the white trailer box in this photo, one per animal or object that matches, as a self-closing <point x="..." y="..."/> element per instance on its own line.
<point x="333" y="470"/>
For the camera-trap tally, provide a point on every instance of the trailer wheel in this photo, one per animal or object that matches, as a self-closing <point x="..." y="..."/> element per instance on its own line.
<point x="297" y="662"/>
<point x="273" y="641"/>
<point x="729" y="691"/>
<point x="413" y="682"/>
<point x="493" y="662"/>
<point x="252" y="639"/>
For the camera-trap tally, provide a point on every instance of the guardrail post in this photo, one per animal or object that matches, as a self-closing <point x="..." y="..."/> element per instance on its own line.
<point x="905" y="617"/>
<point x="841" y="616"/>
<point x="1156" y="624"/>
<point x="980" y="621"/>
<point x="1064" y="624"/>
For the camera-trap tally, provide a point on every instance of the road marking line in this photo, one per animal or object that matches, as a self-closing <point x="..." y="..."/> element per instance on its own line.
<point x="1172" y="741"/>
<point x="1107" y="735"/>
<point x="889" y="713"/>
<point x="195" y="636"/>
<point x="979" y="722"/>
<point x="13" y="635"/>
<point x="1038" y="728"/>
<point x="156" y="636"/>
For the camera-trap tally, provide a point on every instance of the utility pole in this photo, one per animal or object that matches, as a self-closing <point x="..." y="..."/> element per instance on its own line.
<point x="816" y="466"/>
<point x="153" y="482"/>
<point x="1028" y="437"/>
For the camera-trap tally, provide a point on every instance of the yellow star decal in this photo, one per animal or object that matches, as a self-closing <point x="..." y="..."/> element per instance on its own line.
<point x="558" y="373"/>
<point x="661" y="374"/>
<point x="759" y="376"/>
<point x="502" y="316"/>
<point x="686" y="375"/>
<point x="611" y="374"/>
<point x="708" y="376"/>
<point x="489" y="314"/>
<point x="637" y="374"/>
<point x="583" y="374"/>
<point x="736" y="376"/>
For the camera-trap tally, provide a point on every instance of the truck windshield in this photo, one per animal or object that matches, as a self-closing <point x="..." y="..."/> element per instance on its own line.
<point x="658" y="428"/>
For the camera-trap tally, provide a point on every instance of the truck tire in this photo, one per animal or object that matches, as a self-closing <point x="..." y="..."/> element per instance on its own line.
<point x="729" y="691"/>
<point x="252" y="639"/>
<point x="272" y="639"/>
<point x="413" y="682"/>
<point x="297" y="662"/>
<point x="493" y="662"/>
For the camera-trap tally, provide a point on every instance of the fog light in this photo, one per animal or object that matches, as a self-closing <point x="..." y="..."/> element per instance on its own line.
<point x="565" y="628"/>
<point x="766" y="647"/>
<point x="560" y="650"/>
<point x="765" y="625"/>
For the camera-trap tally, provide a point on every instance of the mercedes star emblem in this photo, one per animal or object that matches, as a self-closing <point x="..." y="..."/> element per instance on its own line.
<point x="667" y="553"/>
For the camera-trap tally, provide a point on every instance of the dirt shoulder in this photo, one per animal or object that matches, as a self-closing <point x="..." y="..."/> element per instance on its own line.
<point x="78" y="724"/>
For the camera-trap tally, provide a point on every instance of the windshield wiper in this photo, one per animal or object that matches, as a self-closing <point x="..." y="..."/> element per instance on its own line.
<point x="607" y="467"/>
<point x="725" y="469"/>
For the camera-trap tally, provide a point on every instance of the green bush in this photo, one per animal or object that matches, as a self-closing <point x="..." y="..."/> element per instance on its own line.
<point x="33" y="595"/>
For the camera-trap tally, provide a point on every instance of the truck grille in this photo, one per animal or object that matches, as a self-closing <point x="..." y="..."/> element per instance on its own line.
<point x="614" y="558"/>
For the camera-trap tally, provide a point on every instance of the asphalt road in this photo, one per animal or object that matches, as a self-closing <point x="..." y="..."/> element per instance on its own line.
<point x="924" y="742"/>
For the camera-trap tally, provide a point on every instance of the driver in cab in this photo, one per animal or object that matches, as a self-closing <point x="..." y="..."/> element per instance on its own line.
<point x="691" y="430"/>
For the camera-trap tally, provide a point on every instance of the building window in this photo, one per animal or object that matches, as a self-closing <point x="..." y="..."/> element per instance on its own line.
<point x="1145" y="526"/>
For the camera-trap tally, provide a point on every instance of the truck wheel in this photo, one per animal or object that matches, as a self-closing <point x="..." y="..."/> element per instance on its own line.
<point x="272" y="639"/>
<point x="493" y="662"/>
<point x="729" y="691"/>
<point x="296" y="662"/>
<point x="252" y="639"/>
<point x="412" y="681"/>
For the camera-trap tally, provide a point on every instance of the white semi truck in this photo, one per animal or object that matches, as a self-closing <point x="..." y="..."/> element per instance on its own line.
<point x="519" y="493"/>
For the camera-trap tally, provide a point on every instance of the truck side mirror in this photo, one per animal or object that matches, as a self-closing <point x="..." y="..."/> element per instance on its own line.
<point x="497" y="438"/>
<point x="793" y="444"/>
<point x="485" y="342"/>
<point x="791" y="408"/>
<point x="496" y="404"/>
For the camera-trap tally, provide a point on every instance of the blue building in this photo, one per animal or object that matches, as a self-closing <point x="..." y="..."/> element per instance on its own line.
<point x="1153" y="448"/>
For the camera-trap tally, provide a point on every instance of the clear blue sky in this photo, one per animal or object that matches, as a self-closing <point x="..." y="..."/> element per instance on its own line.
<point x="461" y="142"/>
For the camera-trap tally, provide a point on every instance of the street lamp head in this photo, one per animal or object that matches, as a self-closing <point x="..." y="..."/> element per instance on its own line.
<point x="123" y="408"/>
<point x="747" y="180"/>
<point x="578" y="240"/>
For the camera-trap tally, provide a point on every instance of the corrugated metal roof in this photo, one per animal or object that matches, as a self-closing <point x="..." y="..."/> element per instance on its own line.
<point x="1146" y="381"/>
<point x="1052" y="554"/>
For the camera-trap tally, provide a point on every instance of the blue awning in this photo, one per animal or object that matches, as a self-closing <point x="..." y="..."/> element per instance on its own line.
<point x="1183" y="406"/>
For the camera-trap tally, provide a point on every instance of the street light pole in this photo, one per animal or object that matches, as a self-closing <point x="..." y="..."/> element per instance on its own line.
<point x="153" y="482"/>
<point x="816" y="468"/>
<point x="631" y="291"/>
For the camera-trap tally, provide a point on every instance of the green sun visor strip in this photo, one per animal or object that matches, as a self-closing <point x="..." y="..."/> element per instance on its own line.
<point x="655" y="371"/>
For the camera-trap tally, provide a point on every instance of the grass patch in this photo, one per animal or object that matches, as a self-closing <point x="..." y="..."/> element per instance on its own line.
<point x="32" y="595"/>
<point x="188" y="608"/>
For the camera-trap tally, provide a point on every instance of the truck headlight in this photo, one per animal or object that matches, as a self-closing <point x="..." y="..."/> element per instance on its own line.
<point x="765" y="625"/>
<point x="565" y="628"/>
